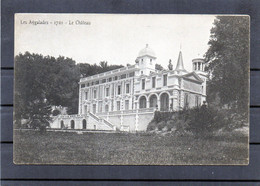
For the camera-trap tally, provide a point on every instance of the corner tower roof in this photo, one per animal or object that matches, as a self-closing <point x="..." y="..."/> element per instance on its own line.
<point x="180" y="66"/>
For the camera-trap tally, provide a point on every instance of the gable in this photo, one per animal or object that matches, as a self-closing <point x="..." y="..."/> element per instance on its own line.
<point x="193" y="76"/>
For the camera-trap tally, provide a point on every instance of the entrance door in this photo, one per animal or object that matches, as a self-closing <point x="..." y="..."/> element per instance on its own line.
<point x="72" y="124"/>
<point x="84" y="124"/>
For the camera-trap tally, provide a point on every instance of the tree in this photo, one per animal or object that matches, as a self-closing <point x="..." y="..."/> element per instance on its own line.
<point x="45" y="81"/>
<point x="228" y="62"/>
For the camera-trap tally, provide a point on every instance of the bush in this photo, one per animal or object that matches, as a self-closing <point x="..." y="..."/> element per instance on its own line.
<point x="151" y="126"/>
<point x="200" y="121"/>
<point x="161" y="125"/>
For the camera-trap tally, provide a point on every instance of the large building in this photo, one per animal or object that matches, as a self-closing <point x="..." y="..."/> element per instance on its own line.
<point x="126" y="98"/>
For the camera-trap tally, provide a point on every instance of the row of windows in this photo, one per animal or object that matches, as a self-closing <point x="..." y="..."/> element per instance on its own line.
<point x="107" y="91"/>
<point x="154" y="82"/>
<point x="115" y="78"/>
<point x="118" y="107"/>
<point x="142" y="61"/>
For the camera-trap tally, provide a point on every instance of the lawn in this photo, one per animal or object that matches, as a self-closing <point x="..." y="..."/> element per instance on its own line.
<point x="127" y="148"/>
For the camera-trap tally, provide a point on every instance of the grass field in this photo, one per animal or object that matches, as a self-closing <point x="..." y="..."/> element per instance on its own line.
<point x="127" y="148"/>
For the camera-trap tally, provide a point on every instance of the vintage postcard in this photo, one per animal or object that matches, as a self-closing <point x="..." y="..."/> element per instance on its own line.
<point x="131" y="89"/>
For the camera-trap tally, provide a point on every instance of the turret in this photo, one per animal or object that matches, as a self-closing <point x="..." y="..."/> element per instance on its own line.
<point x="146" y="61"/>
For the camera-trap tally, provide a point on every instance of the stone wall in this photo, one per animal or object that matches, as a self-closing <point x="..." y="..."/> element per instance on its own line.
<point x="133" y="121"/>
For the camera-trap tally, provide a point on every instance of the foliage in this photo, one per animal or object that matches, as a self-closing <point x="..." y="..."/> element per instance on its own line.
<point x="39" y="115"/>
<point x="89" y="70"/>
<point x="42" y="81"/>
<point x="162" y="116"/>
<point x="228" y="63"/>
<point x="55" y="112"/>
<point x="200" y="121"/>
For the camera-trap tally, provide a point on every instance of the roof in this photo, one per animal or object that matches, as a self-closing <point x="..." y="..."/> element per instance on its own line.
<point x="180" y="66"/>
<point x="147" y="51"/>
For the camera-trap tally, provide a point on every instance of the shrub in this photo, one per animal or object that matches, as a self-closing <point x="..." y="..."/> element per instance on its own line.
<point x="161" y="125"/>
<point x="151" y="126"/>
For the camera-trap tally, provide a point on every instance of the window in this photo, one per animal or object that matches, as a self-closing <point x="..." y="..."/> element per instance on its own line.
<point x="186" y="100"/>
<point x="82" y="85"/>
<point x="165" y="80"/>
<point x="107" y="91"/>
<point x="100" y="106"/>
<point x="110" y="79"/>
<point x="151" y="61"/>
<point x="86" y="95"/>
<point x="123" y="76"/>
<point x="153" y="81"/>
<point x="104" y="80"/>
<point x="118" y="105"/>
<point x="198" y="66"/>
<point x="197" y="101"/>
<point x="106" y="108"/>
<point x="127" y="89"/>
<point x="94" y="108"/>
<point x="143" y="84"/>
<point x="132" y="74"/>
<point x="95" y="94"/>
<point x="92" y="83"/>
<point x="115" y="77"/>
<point x="118" y="90"/>
<point x="97" y="82"/>
<point x="142" y="72"/>
<point x="87" y="84"/>
<point x="126" y="104"/>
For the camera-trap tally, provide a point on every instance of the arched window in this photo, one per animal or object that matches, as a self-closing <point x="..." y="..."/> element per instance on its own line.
<point x="164" y="99"/>
<point x="142" y="102"/>
<point x="72" y="124"/>
<point x="84" y="124"/>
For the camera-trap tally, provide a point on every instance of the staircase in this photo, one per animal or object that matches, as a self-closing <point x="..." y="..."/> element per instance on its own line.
<point x="102" y="121"/>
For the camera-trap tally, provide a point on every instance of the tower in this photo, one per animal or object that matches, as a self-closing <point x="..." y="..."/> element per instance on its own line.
<point x="198" y="65"/>
<point x="146" y="61"/>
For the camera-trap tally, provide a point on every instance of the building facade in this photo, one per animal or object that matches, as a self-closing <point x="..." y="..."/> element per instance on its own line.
<point x="126" y="98"/>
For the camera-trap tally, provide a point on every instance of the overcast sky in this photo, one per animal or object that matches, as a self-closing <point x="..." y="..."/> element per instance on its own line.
<point x="114" y="38"/>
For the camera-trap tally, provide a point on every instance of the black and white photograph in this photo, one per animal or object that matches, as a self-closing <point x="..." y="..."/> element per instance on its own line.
<point x="131" y="89"/>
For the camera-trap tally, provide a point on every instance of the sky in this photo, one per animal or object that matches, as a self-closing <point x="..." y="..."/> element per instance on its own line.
<point x="115" y="38"/>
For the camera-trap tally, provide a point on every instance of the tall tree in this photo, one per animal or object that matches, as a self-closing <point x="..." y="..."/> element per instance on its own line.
<point x="45" y="81"/>
<point x="228" y="62"/>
